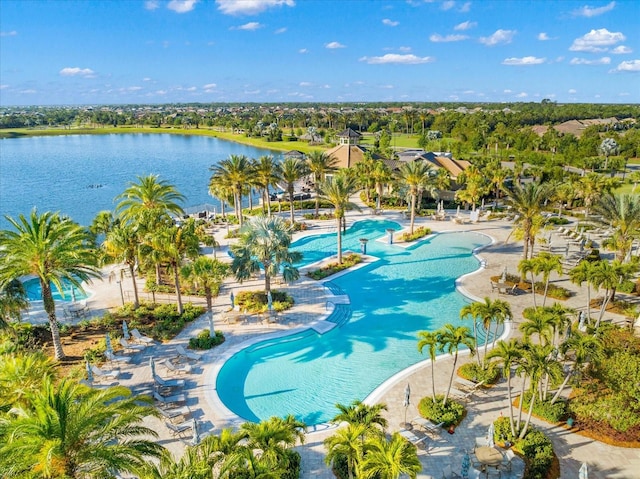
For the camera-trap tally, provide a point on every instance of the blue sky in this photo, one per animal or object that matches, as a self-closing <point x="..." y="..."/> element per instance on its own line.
<point x="163" y="51"/>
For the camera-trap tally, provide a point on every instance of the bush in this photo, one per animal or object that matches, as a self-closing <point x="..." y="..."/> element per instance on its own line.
<point x="293" y="470"/>
<point x="538" y="452"/>
<point x="557" y="221"/>
<point x="256" y="301"/>
<point x="450" y="414"/>
<point x="474" y="372"/>
<point x="627" y="286"/>
<point x="418" y="233"/>
<point x="550" y="412"/>
<point x="203" y="341"/>
<point x="347" y="262"/>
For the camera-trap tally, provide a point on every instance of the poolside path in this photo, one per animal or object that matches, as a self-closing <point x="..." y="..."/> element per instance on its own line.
<point x="310" y="307"/>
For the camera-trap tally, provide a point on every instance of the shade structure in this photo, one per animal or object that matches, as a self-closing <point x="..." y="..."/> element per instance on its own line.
<point x="232" y="299"/>
<point x="584" y="471"/>
<point x="490" y="432"/>
<point x="125" y="330"/>
<point x="406" y="401"/>
<point x="269" y="301"/>
<point x="503" y="278"/>
<point x="152" y="365"/>
<point x="89" y="371"/>
<point x="107" y="342"/>
<point x="196" y="434"/>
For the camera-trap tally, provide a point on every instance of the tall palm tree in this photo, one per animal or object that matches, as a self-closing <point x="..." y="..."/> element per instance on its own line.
<point x="216" y="449"/>
<point x="381" y="175"/>
<point x="538" y="321"/>
<point x="488" y="312"/>
<point x="622" y="213"/>
<point x="390" y="459"/>
<point x="364" y="170"/>
<point x="528" y="266"/>
<point x="72" y="430"/>
<point x="273" y="437"/>
<point x="591" y="187"/>
<point x="235" y="174"/>
<point x="608" y="276"/>
<point x="218" y="188"/>
<point x="337" y="192"/>
<point x="122" y="245"/>
<point x="346" y="443"/>
<point x="508" y="353"/>
<point x="452" y="338"/>
<point x="527" y="202"/>
<point x="429" y="339"/>
<point x="319" y="164"/>
<point x="546" y="263"/>
<point x="264" y="245"/>
<point x="13" y="299"/>
<point x="208" y="274"/>
<point x="267" y="172"/>
<point x="149" y="202"/>
<point x="53" y="249"/>
<point x="416" y="175"/>
<point x="176" y="243"/>
<point x="475" y="186"/>
<point x="358" y="412"/>
<point x="291" y="170"/>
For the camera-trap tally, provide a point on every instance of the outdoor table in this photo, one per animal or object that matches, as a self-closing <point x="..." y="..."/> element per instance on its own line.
<point x="488" y="456"/>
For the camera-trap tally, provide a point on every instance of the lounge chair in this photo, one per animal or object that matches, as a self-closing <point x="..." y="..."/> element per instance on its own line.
<point x="112" y="358"/>
<point x="177" y="368"/>
<point x="177" y="429"/>
<point x="447" y="473"/>
<point x="467" y="385"/>
<point x="138" y="337"/>
<point x="182" y="412"/>
<point x="187" y="354"/>
<point x="170" y="400"/>
<point x="168" y="383"/>
<point x="427" y="425"/>
<point x="465" y="396"/>
<point x="102" y="374"/>
<point x="130" y="346"/>
<point x="411" y="437"/>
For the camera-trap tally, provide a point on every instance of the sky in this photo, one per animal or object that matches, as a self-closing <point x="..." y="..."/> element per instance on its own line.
<point x="65" y="52"/>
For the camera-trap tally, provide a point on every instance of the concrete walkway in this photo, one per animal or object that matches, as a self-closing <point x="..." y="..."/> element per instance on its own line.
<point x="311" y="307"/>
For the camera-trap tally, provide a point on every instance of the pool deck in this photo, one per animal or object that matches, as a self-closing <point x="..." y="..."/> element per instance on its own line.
<point x="310" y="308"/>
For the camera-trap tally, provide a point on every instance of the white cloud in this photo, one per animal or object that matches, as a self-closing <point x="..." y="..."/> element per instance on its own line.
<point x="75" y="71"/>
<point x="596" y="41"/>
<point x="628" y="66"/>
<point x="387" y="87"/>
<point x="151" y="4"/>
<point x="621" y="49"/>
<point x="506" y="91"/>
<point x="588" y="11"/>
<point x="572" y="91"/>
<point x="251" y="26"/>
<point x="3" y="86"/>
<point x="522" y="95"/>
<point x="498" y="37"/>
<point x="390" y="23"/>
<point x="523" y="61"/>
<point x="29" y="91"/>
<point x="250" y="7"/>
<point x="182" y="6"/>
<point x="448" y="5"/>
<point x="404" y="49"/>
<point x="252" y="92"/>
<point x="12" y="33"/>
<point x="397" y="59"/>
<point x="305" y="84"/>
<point x="191" y="88"/>
<point x="437" y="38"/>
<point x="146" y="79"/>
<point x="333" y="45"/>
<point x="543" y="37"/>
<point x="303" y="50"/>
<point x="209" y="86"/>
<point x="584" y="61"/>
<point x="465" y="7"/>
<point x="465" y="26"/>
<point x="280" y="30"/>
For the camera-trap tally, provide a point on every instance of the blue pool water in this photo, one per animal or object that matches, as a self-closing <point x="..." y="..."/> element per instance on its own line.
<point x="34" y="291"/>
<point x="406" y="291"/>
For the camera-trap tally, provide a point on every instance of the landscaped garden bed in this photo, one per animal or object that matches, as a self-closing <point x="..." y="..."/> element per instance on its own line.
<point x="332" y="268"/>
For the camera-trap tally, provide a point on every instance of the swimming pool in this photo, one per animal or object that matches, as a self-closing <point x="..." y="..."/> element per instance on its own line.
<point x="405" y="291"/>
<point x="71" y="293"/>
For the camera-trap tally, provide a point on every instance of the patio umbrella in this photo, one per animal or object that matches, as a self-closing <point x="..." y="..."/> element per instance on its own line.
<point x="107" y="342"/>
<point x="584" y="472"/>
<point x="503" y="278"/>
<point x="466" y="462"/>
<point x="152" y="365"/>
<point x="490" y="433"/>
<point x="458" y="212"/>
<point x="406" y="401"/>
<point x="232" y="298"/>
<point x="566" y="250"/>
<point x="196" y="434"/>
<point x="125" y="330"/>
<point x="269" y="301"/>
<point x="89" y="372"/>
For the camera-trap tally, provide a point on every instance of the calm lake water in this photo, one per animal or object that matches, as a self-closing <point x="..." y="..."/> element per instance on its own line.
<point x="79" y="175"/>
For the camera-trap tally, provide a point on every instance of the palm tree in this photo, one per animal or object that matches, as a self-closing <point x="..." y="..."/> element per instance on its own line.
<point x="538" y="321"/>
<point x="235" y="174"/>
<point x="381" y="175"/>
<point x="208" y="274"/>
<point x="53" y="249"/>
<point x="122" y="245"/>
<point x="364" y="170"/>
<point x="221" y="190"/>
<point x="369" y="416"/>
<point x="71" y="430"/>
<point x="591" y="187"/>
<point x="149" y="202"/>
<point x="13" y="299"/>
<point x="176" y="243"/>
<point x="346" y="444"/>
<point x="292" y="170"/>
<point x="21" y="375"/>
<point x="429" y="339"/>
<point x="583" y="272"/>
<point x="527" y="202"/>
<point x="621" y="212"/>
<point x="528" y="266"/>
<point x="337" y="192"/>
<point x="190" y="466"/>
<point x="416" y="175"/>
<point x="608" y="147"/>
<point x="103" y="223"/>
<point x="608" y="276"/>
<point x="267" y="172"/>
<point x="451" y="339"/>
<point x="319" y="164"/>
<point x="475" y="186"/>
<point x="546" y="263"/>
<point x="508" y="353"/>
<point x="390" y="459"/>
<point x="496" y="311"/>
<point x="273" y="437"/>
<point x="264" y="245"/>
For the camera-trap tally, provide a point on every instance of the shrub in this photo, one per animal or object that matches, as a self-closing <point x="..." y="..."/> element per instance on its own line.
<point x="538" y="452"/>
<point x="556" y="220"/>
<point x="450" y="414"/>
<point x="419" y="232"/>
<point x="627" y="286"/>
<point x="256" y="301"/>
<point x="550" y="412"/>
<point x="474" y="372"/>
<point x="293" y="469"/>
<point x="347" y="262"/>
<point x="203" y="341"/>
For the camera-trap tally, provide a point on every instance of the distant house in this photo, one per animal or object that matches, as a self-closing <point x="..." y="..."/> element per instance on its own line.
<point x="437" y="159"/>
<point x="295" y="154"/>
<point x="349" y="153"/>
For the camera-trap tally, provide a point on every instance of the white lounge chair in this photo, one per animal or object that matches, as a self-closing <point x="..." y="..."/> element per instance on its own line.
<point x="427" y="425"/>
<point x="411" y="437"/>
<point x="182" y="412"/>
<point x="170" y="400"/>
<point x="138" y="337"/>
<point x="130" y="346"/>
<point x="187" y="354"/>
<point x="464" y="396"/>
<point x="178" y="429"/>
<point x="168" y="383"/>
<point x="177" y="368"/>
<point x="102" y="374"/>
<point x="111" y="357"/>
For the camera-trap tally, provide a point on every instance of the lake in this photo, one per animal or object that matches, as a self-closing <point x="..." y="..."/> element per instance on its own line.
<point x="80" y="175"/>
